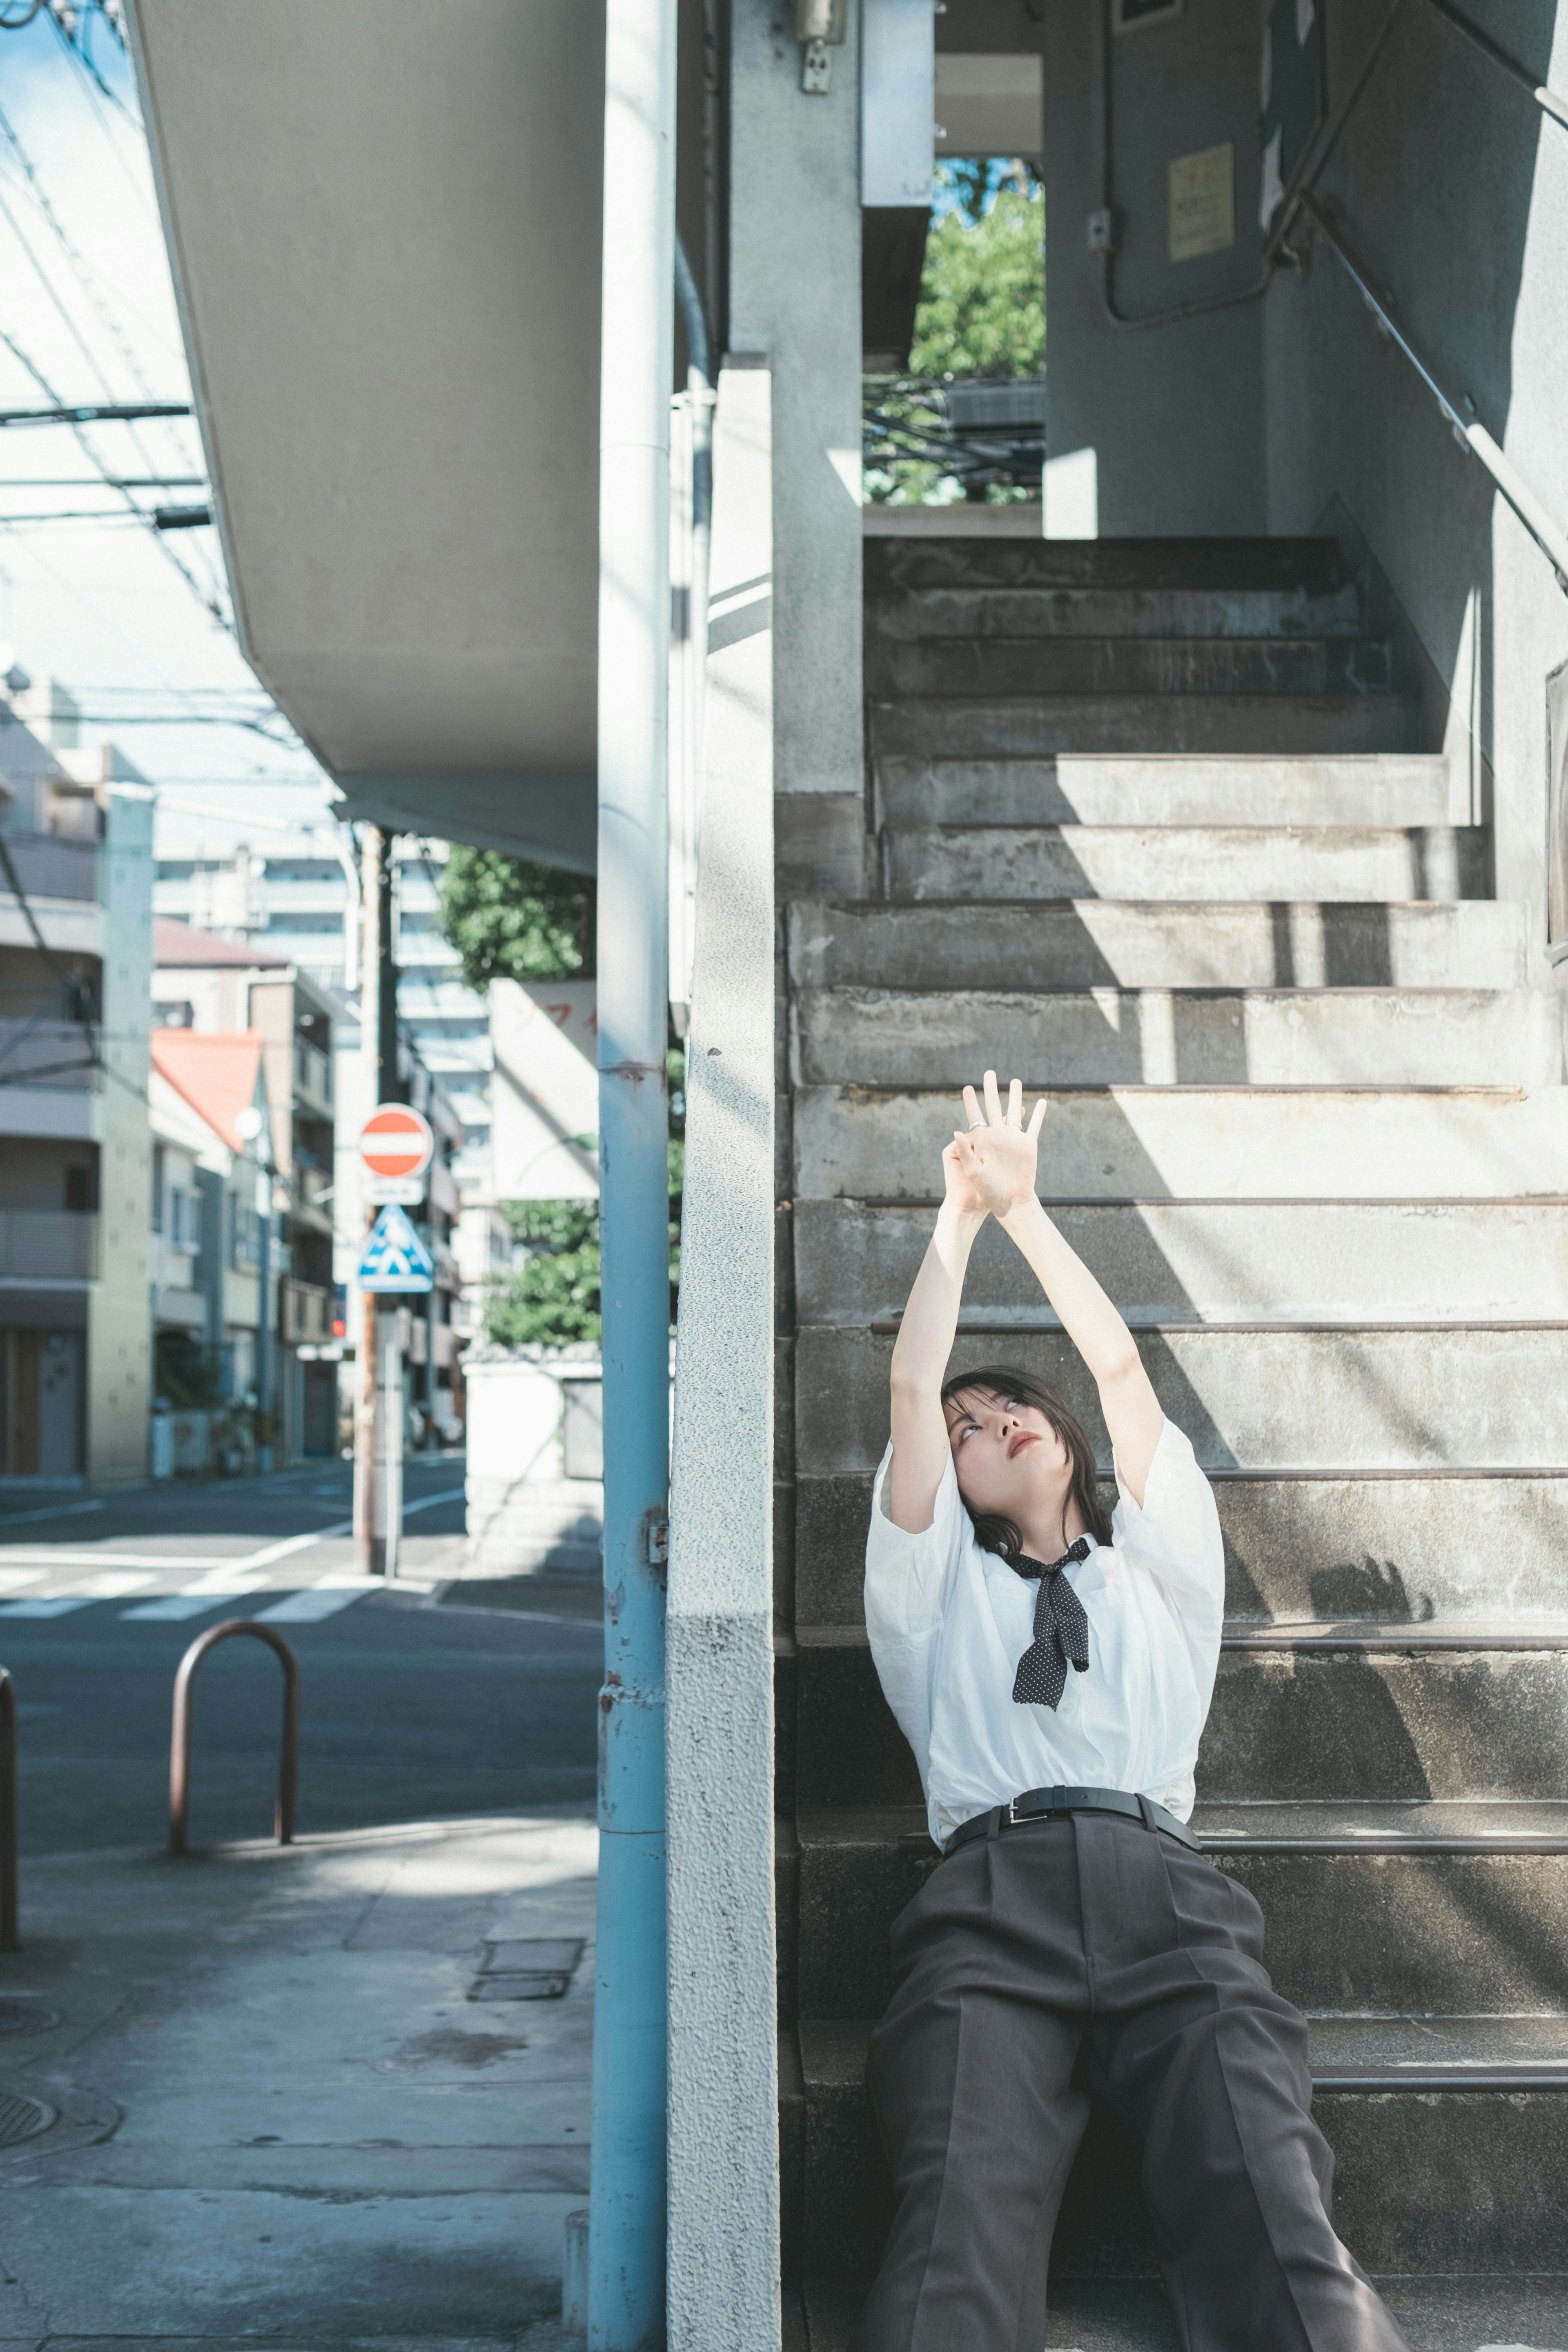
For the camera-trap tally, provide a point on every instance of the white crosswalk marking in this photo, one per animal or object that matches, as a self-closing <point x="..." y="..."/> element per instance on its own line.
<point x="82" y="1596"/>
<point x="176" y="1606"/>
<point x="316" y="1601"/>
<point x="60" y="1608"/>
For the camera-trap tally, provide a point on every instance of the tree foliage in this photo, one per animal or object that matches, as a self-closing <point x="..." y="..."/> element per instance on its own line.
<point x="982" y="295"/>
<point x="512" y="920"/>
<point x="981" y="313"/>
<point x="552" y="1298"/>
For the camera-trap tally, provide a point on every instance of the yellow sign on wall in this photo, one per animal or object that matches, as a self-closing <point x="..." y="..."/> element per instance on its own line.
<point x="1203" y="202"/>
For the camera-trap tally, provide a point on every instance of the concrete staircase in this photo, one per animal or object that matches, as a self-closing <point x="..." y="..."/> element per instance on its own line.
<point x="1150" y="830"/>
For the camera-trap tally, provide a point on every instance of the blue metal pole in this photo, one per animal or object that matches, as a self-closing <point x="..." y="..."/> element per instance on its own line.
<point x="626" y="2182"/>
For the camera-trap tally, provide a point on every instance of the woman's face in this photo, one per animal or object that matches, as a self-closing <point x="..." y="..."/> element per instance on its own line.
<point x="1008" y="1456"/>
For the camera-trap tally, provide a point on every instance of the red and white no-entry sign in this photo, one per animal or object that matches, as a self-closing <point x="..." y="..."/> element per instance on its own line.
<point x="396" y="1141"/>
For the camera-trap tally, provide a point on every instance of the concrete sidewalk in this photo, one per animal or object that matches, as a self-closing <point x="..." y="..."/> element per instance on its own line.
<point x="289" y="2108"/>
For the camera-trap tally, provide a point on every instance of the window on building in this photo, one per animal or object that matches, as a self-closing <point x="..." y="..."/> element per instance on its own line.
<point x="81" y="1191"/>
<point x="158" y="1175"/>
<point x="245" y="1234"/>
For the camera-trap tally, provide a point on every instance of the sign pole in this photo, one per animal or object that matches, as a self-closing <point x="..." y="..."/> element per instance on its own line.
<point x="396" y="1148"/>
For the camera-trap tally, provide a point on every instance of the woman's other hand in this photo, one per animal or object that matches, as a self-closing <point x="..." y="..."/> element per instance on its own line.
<point x="994" y="1162"/>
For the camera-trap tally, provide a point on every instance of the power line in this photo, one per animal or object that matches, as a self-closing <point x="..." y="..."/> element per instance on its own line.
<point x="93" y="482"/>
<point x="113" y="411"/>
<point x="209" y="603"/>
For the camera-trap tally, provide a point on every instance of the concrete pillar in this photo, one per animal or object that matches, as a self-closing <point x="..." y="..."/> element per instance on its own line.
<point x="794" y="295"/>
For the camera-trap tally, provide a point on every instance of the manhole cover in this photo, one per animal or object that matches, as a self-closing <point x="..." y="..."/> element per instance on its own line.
<point x="26" y="2016"/>
<point x="22" y="2118"/>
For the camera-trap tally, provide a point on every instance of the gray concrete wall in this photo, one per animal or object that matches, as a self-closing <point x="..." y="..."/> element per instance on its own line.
<point x="725" y="2284"/>
<point x="1454" y="186"/>
<point x="795" y="294"/>
<point x="1174" y="413"/>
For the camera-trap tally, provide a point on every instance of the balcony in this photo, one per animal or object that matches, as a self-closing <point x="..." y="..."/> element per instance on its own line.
<point x="313" y="1189"/>
<point x="53" y="1054"/>
<point x="306" y="1314"/>
<point x="48" y="1245"/>
<point x="313" y="1077"/>
<point x="51" y="865"/>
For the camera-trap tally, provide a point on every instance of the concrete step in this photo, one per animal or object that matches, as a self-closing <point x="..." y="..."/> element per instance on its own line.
<point x="1107" y="943"/>
<point x="1440" y="2172"/>
<point x="1391" y="788"/>
<point x="1032" y="725"/>
<point x="1283" y="1037"/>
<point x="1205" y="1143"/>
<point x="1080" y="665"/>
<point x="1344" y="1713"/>
<point x="923" y="614"/>
<point x="1212" y="1261"/>
<point x="1350" y="1547"/>
<point x="1437" y="2314"/>
<point x="1257" y="1396"/>
<point x="1151" y="864"/>
<point x="1375" y="1910"/>
<point x="894" y="567"/>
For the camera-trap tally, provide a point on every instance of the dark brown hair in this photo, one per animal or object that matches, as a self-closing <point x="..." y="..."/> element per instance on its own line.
<point x="995" y="1533"/>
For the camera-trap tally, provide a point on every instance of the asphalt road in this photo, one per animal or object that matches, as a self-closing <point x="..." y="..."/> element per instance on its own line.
<point x="412" y="1707"/>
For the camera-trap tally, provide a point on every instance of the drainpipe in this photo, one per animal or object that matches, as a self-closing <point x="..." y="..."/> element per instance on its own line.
<point x="626" y="2181"/>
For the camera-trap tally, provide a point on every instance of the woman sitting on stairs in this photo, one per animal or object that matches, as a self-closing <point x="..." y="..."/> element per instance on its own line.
<point x="1074" y="1939"/>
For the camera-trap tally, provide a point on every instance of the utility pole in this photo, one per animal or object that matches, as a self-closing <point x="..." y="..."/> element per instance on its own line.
<point x="627" y="2192"/>
<point x="378" y="1430"/>
<point x="265" y="1351"/>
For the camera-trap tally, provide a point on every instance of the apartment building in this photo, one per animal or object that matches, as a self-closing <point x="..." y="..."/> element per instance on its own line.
<point x="76" y="875"/>
<point x="294" y="893"/>
<point x="217" y="987"/>
<point x="211" y="1198"/>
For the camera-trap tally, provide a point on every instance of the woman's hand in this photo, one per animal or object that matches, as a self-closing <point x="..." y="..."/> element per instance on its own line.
<point x="962" y="1193"/>
<point x="994" y="1162"/>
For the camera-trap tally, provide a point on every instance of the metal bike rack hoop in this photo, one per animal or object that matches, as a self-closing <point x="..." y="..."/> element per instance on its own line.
<point x="180" y="1739"/>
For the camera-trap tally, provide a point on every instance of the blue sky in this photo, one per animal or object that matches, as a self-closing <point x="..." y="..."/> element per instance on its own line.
<point x="89" y="303"/>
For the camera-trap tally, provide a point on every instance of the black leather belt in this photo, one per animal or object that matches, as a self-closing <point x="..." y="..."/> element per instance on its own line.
<point x="1039" y="1804"/>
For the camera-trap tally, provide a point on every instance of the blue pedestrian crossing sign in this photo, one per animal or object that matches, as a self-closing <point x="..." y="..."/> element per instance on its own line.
<point x="395" y="1258"/>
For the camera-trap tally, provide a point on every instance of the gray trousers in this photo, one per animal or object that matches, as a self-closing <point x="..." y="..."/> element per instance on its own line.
<point x="1087" y="1954"/>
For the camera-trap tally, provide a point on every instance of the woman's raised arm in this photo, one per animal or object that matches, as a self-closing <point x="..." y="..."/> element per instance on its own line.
<point x="922" y="1349"/>
<point x="998" y="1159"/>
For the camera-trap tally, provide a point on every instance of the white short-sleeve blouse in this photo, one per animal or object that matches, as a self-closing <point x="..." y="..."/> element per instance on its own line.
<point x="948" y="1624"/>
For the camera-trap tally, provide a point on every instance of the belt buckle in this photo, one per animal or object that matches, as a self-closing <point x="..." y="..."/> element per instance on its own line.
<point x="1011" y="1812"/>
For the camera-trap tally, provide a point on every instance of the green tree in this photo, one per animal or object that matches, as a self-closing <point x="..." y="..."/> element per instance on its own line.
<point x="982" y="295"/>
<point x="512" y="920"/>
<point x="981" y="313"/>
<point x="552" y="1298"/>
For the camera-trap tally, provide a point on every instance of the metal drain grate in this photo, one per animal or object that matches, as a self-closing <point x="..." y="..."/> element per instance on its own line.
<point x="22" y="2118"/>
<point x="27" y="2016"/>
<point x="528" y="1967"/>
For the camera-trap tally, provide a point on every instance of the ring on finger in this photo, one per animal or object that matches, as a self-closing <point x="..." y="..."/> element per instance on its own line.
<point x="974" y="1123"/>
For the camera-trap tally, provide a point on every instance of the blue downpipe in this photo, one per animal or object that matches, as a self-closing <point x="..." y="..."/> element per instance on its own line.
<point x="627" y="2199"/>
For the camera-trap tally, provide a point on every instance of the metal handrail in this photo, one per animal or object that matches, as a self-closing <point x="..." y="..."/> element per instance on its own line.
<point x="1543" y="528"/>
<point x="10" y="1934"/>
<point x="180" y="1739"/>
